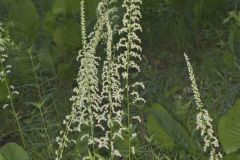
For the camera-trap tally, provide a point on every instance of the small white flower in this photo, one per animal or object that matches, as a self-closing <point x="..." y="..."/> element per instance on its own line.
<point x="5" y="106"/>
<point x="15" y="92"/>
<point x="133" y="150"/>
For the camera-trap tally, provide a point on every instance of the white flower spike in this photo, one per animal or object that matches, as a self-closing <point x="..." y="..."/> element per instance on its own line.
<point x="203" y="119"/>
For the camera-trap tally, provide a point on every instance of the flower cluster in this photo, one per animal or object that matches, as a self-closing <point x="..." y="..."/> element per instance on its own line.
<point x="99" y="106"/>
<point x="203" y="119"/>
<point x="130" y="46"/>
<point x="5" y="70"/>
<point x="86" y="100"/>
<point x="130" y="43"/>
<point x="112" y="93"/>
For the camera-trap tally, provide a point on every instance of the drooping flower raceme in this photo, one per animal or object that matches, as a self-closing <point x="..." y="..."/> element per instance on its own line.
<point x="203" y="119"/>
<point x="102" y="110"/>
<point x="86" y="100"/>
<point x="129" y="46"/>
<point x="5" y="69"/>
<point x="112" y="93"/>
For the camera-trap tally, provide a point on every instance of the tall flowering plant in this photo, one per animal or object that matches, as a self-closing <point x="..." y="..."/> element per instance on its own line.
<point x="130" y="46"/>
<point x="98" y="103"/>
<point x="204" y="121"/>
<point x="86" y="100"/>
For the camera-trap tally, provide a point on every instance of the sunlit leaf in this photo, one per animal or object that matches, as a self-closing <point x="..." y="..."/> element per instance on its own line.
<point x="12" y="151"/>
<point x="160" y="137"/>
<point x="233" y="156"/>
<point x="229" y="129"/>
<point x="172" y="128"/>
<point x="1" y="157"/>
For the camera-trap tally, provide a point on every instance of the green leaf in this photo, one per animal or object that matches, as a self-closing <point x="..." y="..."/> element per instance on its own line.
<point x="68" y="36"/>
<point x="12" y="151"/>
<point x="173" y="129"/>
<point x="1" y="157"/>
<point x="41" y="103"/>
<point x="233" y="156"/>
<point x="160" y="137"/>
<point x="23" y="20"/>
<point x="229" y="129"/>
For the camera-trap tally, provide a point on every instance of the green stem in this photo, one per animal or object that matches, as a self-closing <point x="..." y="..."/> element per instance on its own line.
<point x="41" y="112"/>
<point x="14" y="111"/>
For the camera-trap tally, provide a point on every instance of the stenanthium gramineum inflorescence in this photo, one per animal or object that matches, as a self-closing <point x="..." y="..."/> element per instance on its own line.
<point x="103" y="109"/>
<point x="111" y="95"/>
<point x="5" y="69"/>
<point x="203" y="119"/>
<point x="86" y="100"/>
<point x="129" y="45"/>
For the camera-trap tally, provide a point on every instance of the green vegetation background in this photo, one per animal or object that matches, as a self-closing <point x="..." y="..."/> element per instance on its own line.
<point x="208" y="30"/>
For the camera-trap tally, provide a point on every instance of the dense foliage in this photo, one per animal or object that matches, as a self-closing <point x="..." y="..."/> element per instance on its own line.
<point x="39" y="43"/>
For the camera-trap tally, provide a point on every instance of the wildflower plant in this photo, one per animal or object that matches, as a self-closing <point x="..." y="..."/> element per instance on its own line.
<point x="5" y="70"/>
<point x="204" y="121"/>
<point x="130" y="46"/>
<point x="98" y="104"/>
<point x="112" y="93"/>
<point x="86" y="100"/>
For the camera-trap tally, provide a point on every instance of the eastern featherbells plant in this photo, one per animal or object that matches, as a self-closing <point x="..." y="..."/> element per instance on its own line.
<point x="130" y="45"/>
<point x="100" y="106"/>
<point x="112" y="93"/>
<point x="204" y="121"/>
<point x="5" y="70"/>
<point x="86" y="100"/>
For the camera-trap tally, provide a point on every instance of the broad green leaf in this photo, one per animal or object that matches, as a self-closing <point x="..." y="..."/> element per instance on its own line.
<point x="68" y="36"/>
<point x="12" y="151"/>
<point x="1" y="157"/>
<point x="23" y="20"/>
<point x="173" y="129"/>
<point x="160" y="137"/>
<point x="41" y="103"/>
<point x="229" y="129"/>
<point x="233" y="156"/>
